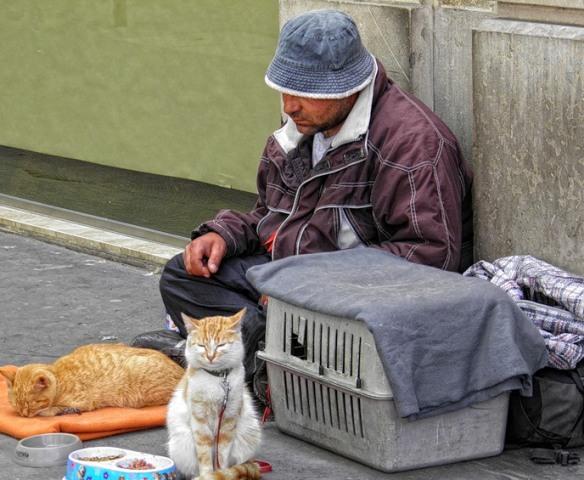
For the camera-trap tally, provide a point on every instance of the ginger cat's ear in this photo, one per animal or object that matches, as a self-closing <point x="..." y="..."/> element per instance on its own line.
<point x="9" y="374"/>
<point x="41" y="382"/>
<point x="235" y="320"/>
<point x="190" y="322"/>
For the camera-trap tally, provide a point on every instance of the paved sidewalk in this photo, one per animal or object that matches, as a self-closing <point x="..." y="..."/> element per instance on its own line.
<point x="53" y="299"/>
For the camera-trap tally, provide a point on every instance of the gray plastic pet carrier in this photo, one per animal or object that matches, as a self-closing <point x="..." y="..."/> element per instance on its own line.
<point x="328" y="387"/>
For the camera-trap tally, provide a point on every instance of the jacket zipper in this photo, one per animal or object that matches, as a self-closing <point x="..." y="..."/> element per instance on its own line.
<point x="297" y="196"/>
<point x="306" y="223"/>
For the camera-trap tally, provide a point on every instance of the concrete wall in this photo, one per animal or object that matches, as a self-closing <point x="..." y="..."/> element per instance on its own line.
<point x="452" y="74"/>
<point x="529" y="148"/>
<point x="567" y="12"/>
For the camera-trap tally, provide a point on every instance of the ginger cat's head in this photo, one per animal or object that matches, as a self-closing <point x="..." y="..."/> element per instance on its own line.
<point x="31" y="389"/>
<point x="214" y="343"/>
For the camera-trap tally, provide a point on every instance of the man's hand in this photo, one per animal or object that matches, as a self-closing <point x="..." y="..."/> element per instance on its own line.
<point x="203" y="255"/>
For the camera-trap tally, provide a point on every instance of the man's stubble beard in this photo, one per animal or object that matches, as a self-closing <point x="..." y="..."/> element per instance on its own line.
<point x="339" y="118"/>
<point x="340" y="115"/>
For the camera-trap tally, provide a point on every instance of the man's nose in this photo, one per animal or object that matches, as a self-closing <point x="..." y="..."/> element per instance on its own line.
<point x="291" y="104"/>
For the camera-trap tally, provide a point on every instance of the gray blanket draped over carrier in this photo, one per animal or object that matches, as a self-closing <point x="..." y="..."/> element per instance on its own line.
<point x="445" y="341"/>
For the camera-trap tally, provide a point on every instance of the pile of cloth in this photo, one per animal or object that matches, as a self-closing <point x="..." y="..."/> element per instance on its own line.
<point x="551" y="298"/>
<point x="445" y="341"/>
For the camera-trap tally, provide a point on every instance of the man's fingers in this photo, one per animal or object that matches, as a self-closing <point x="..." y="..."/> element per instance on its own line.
<point x="203" y="255"/>
<point x="194" y="260"/>
<point x="217" y="254"/>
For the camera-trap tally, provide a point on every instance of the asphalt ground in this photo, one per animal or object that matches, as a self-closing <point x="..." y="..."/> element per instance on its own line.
<point x="53" y="299"/>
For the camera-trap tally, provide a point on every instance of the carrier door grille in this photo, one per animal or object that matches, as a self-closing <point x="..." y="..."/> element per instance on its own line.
<point x="320" y="343"/>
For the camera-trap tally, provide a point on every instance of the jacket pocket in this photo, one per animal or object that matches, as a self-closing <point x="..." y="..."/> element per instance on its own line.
<point x="348" y="194"/>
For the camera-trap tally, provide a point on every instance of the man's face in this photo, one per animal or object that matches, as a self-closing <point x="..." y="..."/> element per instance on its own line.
<point x="316" y="115"/>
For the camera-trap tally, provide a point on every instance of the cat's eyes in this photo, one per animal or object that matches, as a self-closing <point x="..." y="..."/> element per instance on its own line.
<point x="202" y="345"/>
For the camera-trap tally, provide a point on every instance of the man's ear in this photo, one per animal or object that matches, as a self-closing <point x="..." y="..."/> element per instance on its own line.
<point x="9" y="374"/>
<point x="190" y="322"/>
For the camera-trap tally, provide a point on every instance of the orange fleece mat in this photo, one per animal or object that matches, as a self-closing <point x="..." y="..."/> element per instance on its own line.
<point x="87" y="426"/>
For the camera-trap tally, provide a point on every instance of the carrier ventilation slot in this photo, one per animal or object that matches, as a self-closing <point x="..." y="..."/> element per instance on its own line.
<point x="333" y="348"/>
<point x="323" y="405"/>
<point x="299" y="338"/>
<point x="323" y="344"/>
<point x="285" y="331"/>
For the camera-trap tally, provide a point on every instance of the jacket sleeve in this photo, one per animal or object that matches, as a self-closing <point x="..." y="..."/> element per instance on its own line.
<point x="418" y="208"/>
<point x="239" y="229"/>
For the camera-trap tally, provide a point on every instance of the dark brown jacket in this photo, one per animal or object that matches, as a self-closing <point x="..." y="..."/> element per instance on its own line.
<point x="395" y="169"/>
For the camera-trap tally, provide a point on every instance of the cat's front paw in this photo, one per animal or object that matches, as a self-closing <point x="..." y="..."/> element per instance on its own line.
<point x="205" y="476"/>
<point x="210" y="475"/>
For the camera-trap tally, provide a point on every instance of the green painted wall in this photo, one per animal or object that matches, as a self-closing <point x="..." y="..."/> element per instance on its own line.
<point x="171" y="87"/>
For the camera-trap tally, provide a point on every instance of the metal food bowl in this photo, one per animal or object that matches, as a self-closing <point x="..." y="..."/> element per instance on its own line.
<point x="46" y="450"/>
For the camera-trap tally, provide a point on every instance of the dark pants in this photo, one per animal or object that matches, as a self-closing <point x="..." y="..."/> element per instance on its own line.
<point x="225" y="293"/>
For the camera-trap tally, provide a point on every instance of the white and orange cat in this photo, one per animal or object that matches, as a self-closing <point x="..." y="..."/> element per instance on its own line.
<point x="91" y="377"/>
<point x="213" y="383"/>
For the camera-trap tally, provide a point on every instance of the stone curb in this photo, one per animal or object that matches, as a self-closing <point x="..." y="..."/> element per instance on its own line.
<point x="103" y="243"/>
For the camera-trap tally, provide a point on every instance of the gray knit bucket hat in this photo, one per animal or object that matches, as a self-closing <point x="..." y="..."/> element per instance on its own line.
<point x="320" y="55"/>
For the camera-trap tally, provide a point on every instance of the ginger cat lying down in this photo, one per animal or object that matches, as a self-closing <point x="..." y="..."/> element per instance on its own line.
<point x="91" y="377"/>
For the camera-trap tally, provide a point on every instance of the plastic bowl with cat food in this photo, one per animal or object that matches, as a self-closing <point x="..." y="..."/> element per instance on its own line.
<point x="46" y="450"/>
<point x="117" y="463"/>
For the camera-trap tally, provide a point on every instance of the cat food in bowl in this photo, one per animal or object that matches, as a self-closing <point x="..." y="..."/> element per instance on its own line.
<point x="98" y="455"/>
<point x="136" y="464"/>
<point x="46" y="450"/>
<point x="118" y="463"/>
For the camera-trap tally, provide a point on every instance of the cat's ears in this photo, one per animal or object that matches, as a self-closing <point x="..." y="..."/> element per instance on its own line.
<point x="233" y="322"/>
<point x="40" y="383"/>
<point x="8" y="373"/>
<point x="190" y="322"/>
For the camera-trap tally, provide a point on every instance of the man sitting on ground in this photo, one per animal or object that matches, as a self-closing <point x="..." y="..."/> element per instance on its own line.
<point x="358" y="163"/>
